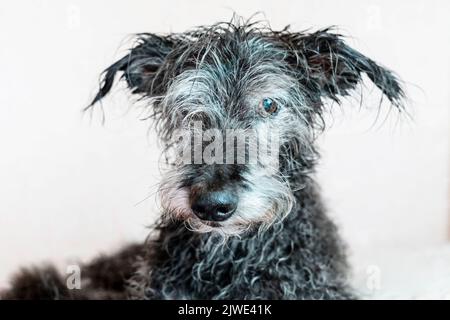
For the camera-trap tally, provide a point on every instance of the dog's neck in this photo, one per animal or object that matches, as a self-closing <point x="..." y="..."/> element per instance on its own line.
<point x="202" y="266"/>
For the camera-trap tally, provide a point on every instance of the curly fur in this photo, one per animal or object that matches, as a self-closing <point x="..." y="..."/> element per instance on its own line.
<point x="279" y="244"/>
<point x="298" y="258"/>
<point x="103" y="278"/>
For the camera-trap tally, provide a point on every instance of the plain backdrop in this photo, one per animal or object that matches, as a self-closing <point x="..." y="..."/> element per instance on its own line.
<point x="71" y="188"/>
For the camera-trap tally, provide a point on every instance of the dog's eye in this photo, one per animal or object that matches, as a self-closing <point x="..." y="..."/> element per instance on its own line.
<point x="268" y="106"/>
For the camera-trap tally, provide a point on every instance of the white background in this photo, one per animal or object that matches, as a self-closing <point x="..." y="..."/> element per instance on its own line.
<point x="70" y="187"/>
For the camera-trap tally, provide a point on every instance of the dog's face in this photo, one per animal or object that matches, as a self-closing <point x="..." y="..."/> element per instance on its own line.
<point x="236" y="107"/>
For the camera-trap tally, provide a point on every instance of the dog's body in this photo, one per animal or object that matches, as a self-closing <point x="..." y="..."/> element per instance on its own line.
<point x="232" y="230"/>
<point x="301" y="258"/>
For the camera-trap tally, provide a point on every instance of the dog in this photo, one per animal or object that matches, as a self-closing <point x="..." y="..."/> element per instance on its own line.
<point x="229" y="229"/>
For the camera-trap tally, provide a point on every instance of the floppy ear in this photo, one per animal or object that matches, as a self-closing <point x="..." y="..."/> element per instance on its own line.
<point x="332" y="68"/>
<point x="140" y="67"/>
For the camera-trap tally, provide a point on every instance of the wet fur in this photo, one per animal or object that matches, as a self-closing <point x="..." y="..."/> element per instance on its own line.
<point x="295" y="253"/>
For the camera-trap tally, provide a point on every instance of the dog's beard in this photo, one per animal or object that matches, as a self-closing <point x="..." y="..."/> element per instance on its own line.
<point x="268" y="200"/>
<point x="176" y="207"/>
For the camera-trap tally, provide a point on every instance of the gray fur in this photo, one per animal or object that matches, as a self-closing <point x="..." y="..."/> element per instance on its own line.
<point x="279" y="244"/>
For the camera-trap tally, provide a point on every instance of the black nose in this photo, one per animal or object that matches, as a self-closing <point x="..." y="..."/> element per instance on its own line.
<point x="215" y="205"/>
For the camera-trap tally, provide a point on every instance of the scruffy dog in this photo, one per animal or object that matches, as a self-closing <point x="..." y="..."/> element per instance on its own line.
<point x="231" y="230"/>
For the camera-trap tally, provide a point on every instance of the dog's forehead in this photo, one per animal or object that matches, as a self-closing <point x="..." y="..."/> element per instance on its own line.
<point x="235" y="56"/>
<point x="232" y="70"/>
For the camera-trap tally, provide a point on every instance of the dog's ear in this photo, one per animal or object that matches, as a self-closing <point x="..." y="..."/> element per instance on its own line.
<point x="330" y="67"/>
<point x="140" y="67"/>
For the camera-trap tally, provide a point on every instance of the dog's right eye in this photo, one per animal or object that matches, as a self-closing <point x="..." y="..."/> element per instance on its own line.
<point x="268" y="106"/>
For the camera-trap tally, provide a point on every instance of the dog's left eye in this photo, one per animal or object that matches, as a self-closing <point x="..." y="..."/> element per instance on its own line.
<point x="268" y="106"/>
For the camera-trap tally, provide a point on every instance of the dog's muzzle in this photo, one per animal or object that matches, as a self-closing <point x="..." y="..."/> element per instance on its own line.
<point x="214" y="205"/>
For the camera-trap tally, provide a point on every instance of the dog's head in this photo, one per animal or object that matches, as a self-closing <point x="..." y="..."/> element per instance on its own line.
<point x="237" y="106"/>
